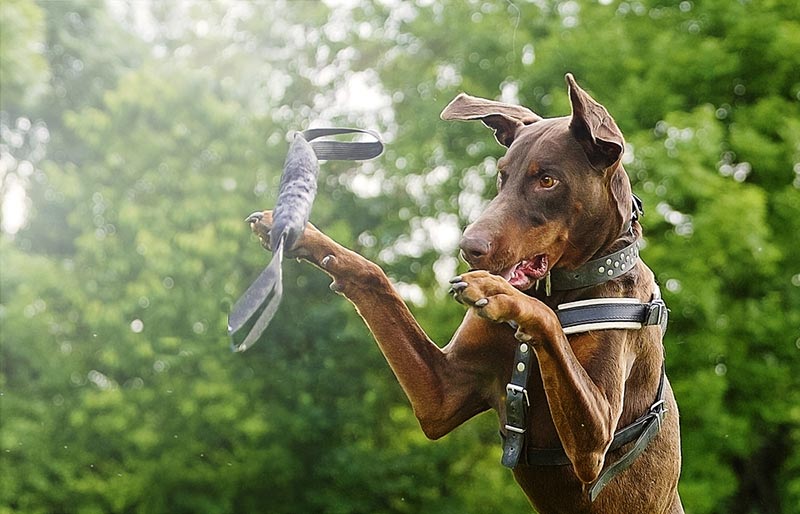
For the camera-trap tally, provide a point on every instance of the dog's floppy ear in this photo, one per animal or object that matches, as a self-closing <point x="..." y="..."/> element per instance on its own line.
<point x="504" y="118"/>
<point x="594" y="128"/>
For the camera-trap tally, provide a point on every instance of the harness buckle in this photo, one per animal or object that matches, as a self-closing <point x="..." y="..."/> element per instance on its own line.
<point x="514" y="389"/>
<point x="658" y="410"/>
<point x="657" y="313"/>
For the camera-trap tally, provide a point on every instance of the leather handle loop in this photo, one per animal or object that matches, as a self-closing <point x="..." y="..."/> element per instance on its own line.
<point x="343" y="150"/>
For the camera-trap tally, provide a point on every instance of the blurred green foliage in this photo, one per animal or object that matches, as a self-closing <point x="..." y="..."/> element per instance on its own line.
<point x="143" y="133"/>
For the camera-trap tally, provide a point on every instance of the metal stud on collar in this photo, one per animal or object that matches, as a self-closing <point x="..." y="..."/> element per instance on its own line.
<point x="620" y="262"/>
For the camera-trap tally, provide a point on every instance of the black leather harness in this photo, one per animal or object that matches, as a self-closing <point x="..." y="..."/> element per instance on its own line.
<point x="577" y="317"/>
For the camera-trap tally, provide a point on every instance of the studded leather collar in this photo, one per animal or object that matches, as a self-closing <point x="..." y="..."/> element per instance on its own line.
<point x="596" y="271"/>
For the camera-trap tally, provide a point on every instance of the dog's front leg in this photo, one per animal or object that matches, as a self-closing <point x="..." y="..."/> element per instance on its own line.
<point x="585" y="409"/>
<point x="444" y="386"/>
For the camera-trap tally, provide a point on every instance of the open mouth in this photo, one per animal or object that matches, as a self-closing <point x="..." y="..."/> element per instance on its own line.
<point x="525" y="274"/>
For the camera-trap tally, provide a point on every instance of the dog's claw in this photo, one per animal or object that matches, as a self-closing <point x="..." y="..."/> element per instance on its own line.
<point x="483" y="302"/>
<point x="459" y="287"/>
<point x="456" y="279"/>
<point x="254" y="217"/>
<point x="326" y="261"/>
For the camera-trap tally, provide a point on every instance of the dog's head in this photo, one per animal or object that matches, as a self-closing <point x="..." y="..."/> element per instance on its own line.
<point x="563" y="194"/>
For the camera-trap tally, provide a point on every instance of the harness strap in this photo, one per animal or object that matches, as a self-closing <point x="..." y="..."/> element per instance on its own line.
<point x="646" y="427"/>
<point x="605" y="313"/>
<point x="517" y="403"/>
<point x="636" y="430"/>
<point x="611" y="313"/>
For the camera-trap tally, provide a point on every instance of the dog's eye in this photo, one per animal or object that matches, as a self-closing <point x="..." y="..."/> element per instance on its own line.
<point x="546" y="181"/>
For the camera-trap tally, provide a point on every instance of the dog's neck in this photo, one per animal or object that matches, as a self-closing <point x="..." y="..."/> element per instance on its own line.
<point x="616" y="260"/>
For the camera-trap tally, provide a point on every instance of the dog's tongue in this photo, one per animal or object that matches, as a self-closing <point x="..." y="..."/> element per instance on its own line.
<point x="526" y="273"/>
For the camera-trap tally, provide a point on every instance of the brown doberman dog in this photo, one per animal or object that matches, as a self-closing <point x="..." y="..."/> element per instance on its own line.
<point x="562" y="335"/>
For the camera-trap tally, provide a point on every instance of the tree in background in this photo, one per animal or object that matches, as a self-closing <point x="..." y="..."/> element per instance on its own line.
<point x="143" y="134"/>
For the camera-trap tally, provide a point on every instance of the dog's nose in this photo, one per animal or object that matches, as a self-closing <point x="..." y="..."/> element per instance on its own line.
<point x="473" y="248"/>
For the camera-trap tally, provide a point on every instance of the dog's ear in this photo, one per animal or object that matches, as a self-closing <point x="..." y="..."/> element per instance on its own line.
<point x="594" y="128"/>
<point x="621" y="195"/>
<point x="504" y="118"/>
